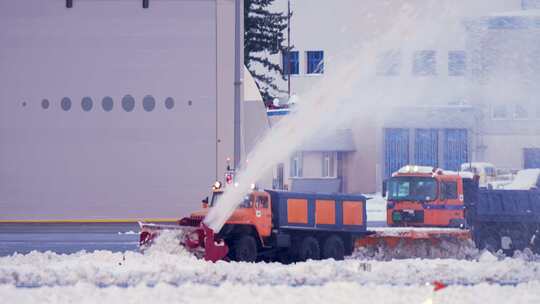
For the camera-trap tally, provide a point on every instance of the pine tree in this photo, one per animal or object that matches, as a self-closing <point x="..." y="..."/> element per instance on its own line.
<point x="263" y="36"/>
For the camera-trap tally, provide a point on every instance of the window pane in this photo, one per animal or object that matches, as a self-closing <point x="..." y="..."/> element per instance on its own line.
<point x="315" y="62"/>
<point x="169" y="103"/>
<point x="86" y="104"/>
<point x="520" y="112"/>
<point x="389" y="63"/>
<point x="450" y="190"/>
<point x="424" y="63"/>
<point x="65" y="104"/>
<point x="149" y="103"/>
<point x="128" y="103"/>
<point x="291" y="63"/>
<point x="500" y="112"/>
<point x="107" y="103"/>
<point x="457" y="63"/>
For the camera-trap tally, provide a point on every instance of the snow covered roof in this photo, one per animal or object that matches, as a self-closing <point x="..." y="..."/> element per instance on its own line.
<point x="520" y="13"/>
<point x="525" y="180"/>
<point x="340" y="140"/>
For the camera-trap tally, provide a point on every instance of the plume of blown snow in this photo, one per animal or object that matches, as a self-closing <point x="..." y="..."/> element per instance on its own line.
<point x="333" y="102"/>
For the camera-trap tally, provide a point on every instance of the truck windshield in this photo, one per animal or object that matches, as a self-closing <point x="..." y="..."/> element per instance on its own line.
<point x="247" y="202"/>
<point x="412" y="189"/>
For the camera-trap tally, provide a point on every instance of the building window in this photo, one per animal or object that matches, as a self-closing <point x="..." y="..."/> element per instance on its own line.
<point x="86" y="104"/>
<point x="520" y="112"/>
<point x="291" y="63"/>
<point x="169" y="103"/>
<point x="315" y="62"/>
<point x="457" y="63"/>
<point x="296" y="164"/>
<point x="328" y="164"/>
<point x="149" y="103"/>
<point x="65" y="104"/>
<point x="45" y="104"/>
<point x="128" y="103"/>
<point x="425" y="63"/>
<point x="499" y="112"/>
<point x="389" y="63"/>
<point x="107" y="104"/>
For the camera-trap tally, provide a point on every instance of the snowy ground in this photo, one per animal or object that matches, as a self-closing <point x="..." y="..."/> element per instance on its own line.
<point x="166" y="273"/>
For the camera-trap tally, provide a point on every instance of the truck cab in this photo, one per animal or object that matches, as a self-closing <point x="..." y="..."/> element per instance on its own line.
<point x="425" y="196"/>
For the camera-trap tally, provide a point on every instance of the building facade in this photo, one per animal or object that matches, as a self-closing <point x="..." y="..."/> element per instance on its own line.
<point x="458" y="118"/>
<point x="113" y="109"/>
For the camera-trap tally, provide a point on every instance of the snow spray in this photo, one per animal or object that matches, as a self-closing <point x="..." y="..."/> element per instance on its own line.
<point x="351" y="90"/>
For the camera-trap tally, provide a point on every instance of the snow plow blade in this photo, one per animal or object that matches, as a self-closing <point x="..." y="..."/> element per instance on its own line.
<point x="408" y="242"/>
<point x="196" y="237"/>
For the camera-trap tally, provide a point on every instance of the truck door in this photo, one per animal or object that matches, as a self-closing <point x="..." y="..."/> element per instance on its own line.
<point x="263" y="214"/>
<point x="451" y="196"/>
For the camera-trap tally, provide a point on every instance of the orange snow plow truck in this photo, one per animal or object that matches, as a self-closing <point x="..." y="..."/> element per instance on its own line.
<point x="273" y="225"/>
<point x="428" y="204"/>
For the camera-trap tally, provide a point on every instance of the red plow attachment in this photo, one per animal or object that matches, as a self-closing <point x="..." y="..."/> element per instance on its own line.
<point x="196" y="237"/>
<point x="408" y="242"/>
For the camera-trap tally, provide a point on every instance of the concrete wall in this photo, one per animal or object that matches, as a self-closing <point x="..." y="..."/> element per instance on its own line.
<point x="58" y="164"/>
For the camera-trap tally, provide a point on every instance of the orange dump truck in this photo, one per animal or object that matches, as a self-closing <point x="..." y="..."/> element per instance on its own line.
<point x="275" y="225"/>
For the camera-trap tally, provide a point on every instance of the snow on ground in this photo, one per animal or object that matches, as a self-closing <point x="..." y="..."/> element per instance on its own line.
<point x="335" y="293"/>
<point x="167" y="273"/>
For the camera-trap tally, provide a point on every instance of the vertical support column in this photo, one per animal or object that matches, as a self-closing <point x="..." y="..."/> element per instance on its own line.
<point x="412" y="147"/>
<point x="238" y="79"/>
<point x="441" y="140"/>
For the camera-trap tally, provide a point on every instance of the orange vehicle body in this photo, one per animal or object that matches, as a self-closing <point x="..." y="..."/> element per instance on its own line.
<point x="443" y="208"/>
<point x="257" y="213"/>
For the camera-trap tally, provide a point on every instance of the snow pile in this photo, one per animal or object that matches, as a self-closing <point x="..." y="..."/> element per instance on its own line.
<point x="336" y="293"/>
<point x="451" y="248"/>
<point x="525" y="180"/>
<point x="168" y="242"/>
<point x="104" y="268"/>
<point x="376" y="208"/>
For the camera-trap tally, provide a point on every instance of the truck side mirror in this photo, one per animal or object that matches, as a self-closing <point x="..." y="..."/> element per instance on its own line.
<point x="205" y="202"/>
<point x="384" y="188"/>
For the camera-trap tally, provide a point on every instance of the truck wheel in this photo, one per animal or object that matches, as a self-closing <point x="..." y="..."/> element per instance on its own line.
<point x="245" y="249"/>
<point x="489" y="239"/>
<point x="333" y="248"/>
<point x="309" y="249"/>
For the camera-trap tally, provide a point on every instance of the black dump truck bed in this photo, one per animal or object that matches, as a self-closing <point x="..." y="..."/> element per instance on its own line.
<point x="504" y="219"/>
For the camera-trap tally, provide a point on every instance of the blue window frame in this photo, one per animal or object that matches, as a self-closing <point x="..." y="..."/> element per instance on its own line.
<point x="426" y="147"/>
<point x="315" y="62"/>
<point x="389" y="63"/>
<point x="396" y="150"/>
<point x="425" y="63"/>
<point x="457" y="63"/>
<point x="291" y="63"/>
<point x="456" y="148"/>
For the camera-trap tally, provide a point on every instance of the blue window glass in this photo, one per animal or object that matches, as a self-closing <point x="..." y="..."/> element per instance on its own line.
<point x="457" y="63"/>
<point x="315" y="62"/>
<point x="291" y="63"/>
<point x="396" y="150"/>
<point x="426" y="147"/>
<point x="389" y="63"/>
<point x="425" y="63"/>
<point x="456" y="148"/>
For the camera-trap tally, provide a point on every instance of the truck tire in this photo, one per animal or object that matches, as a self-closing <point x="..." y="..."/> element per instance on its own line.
<point x="490" y="239"/>
<point x="308" y="249"/>
<point x="244" y="249"/>
<point x="333" y="248"/>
